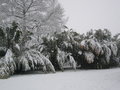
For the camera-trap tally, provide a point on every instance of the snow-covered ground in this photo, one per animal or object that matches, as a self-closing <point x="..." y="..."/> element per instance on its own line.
<point x="108" y="79"/>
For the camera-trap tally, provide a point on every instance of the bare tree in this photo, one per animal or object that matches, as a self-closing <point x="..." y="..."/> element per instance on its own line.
<point x="35" y="15"/>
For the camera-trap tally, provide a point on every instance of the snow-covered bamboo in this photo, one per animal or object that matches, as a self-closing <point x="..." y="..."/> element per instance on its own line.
<point x="107" y="53"/>
<point x="34" y="60"/>
<point x="89" y="57"/>
<point x="71" y="61"/>
<point x="7" y="65"/>
<point x="63" y="58"/>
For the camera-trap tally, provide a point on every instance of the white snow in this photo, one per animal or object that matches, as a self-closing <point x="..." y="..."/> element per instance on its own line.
<point x="108" y="79"/>
<point x="89" y="56"/>
<point x="17" y="46"/>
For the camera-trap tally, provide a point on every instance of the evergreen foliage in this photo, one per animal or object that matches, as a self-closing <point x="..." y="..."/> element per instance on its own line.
<point x="57" y="51"/>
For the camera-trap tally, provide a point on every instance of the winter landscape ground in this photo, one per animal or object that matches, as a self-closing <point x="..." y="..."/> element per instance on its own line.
<point x="107" y="79"/>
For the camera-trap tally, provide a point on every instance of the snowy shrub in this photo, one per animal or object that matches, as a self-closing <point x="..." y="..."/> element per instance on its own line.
<point x="84" y="45"/>
<point x="71" y="61"/>
<point x="105" y="58"/>
<point x="91" y="44"/>
<point x="95" y="46"/>
<point x="49" y="49"/>
<point x="114" y="60"/>
<point x="34" y="60"/>
<point x="107" y="53"/>
<point x="65" y="58"/>
<point x="71" y="42"/>
<point x="7" y="65"/>
<point x="114" y="49"/>
<point x="61" y="57"/>
<point x="89" y="57"/>
<point x="47" y="63"/>
<point x="98" y="49"/>
<point x="4" y="69"/>
<point x="56" y="52"/>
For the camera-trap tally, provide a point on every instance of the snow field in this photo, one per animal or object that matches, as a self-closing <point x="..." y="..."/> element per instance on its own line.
<point x="108" y="79"/>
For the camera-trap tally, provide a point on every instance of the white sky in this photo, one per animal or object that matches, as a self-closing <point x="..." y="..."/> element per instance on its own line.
<point x="92" y="14"/>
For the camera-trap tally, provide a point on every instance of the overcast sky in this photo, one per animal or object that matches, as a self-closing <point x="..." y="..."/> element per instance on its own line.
<point x="92" y="14"/>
